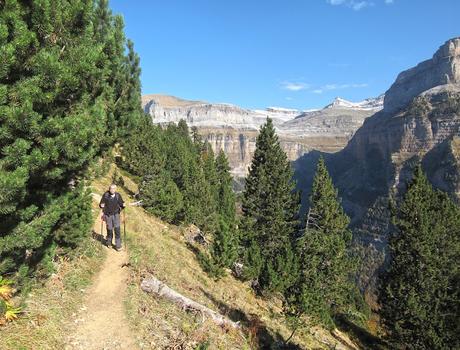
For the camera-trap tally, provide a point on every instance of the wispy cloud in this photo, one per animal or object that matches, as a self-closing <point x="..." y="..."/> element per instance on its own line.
<point x="388" y="2"/>
<point x="353" y="4"/>
<point x="294" y="86"/>
<point x="329" y="87"/>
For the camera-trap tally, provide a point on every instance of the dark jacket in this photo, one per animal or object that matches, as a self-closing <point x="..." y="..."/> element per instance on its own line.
<point x="112" y="205"/>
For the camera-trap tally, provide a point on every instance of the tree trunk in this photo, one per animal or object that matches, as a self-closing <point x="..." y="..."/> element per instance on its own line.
<point x="155" y="286"/>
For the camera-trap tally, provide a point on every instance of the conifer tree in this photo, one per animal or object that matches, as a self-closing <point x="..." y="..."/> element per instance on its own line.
<point x="182" y="128"/>
<point x="323" y="282"/>
<point x="420" y="290"/>
<point x="225" y="246"/>
<point x="208" y="162"/>
<point x="161" y="197"/>
<point x="199" y="205"/>
<point x="56" y="110"/>
<point x="225" y="195"/>
<point x="270" y="213"/>
<point x="145" y="153"/>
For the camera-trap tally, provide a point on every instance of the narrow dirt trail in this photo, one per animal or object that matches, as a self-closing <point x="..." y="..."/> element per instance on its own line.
<point x="101" y="323"/>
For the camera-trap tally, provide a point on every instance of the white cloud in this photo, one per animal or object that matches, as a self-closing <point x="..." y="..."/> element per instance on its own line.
<point x="353" y="4"/>
<point x="330" y="87"/>
<point x="388" y="2"/>
<point x="343" y="86"/>
<point x="359" y="5"/>
<point x="294" y="86"/>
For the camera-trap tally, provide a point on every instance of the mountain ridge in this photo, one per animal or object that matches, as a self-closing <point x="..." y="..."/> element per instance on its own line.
<point x="234" y="129"/>
<point x="379" y="159"/>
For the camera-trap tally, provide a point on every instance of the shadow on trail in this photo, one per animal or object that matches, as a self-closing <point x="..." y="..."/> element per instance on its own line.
<point x="98" y="237"/>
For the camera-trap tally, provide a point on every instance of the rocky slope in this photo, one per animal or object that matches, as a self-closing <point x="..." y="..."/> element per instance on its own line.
<point x="420" y="121"/>
<point x="234" y="129"/>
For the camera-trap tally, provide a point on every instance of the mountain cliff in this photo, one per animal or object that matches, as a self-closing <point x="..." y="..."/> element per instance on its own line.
<point x="420" y="122"/>
<point x="234" y="129"/>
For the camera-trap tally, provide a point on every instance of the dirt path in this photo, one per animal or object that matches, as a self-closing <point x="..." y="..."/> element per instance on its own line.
<point x="101" y="323"/>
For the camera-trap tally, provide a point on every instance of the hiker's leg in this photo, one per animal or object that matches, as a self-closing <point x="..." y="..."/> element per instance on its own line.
<point x="109" y="223"/>
<point x="116" y="223"/>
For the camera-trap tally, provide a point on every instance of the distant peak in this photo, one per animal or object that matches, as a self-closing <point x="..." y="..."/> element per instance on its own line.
<point x="441" y="69"/>
<point x="369" y="103"/>
<point x="450" y="48"/>
<point x="282" y="110"/>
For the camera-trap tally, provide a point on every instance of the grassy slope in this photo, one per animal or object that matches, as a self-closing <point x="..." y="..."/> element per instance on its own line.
<point x="160" y="249"/>
<point x="155" y="248"/>
<point x="50" y="306"/>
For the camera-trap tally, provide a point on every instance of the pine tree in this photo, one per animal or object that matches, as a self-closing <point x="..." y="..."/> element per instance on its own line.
<point x="224" y="249"/>
<point x="225" y="195"/>
<point x="225" y="246"/>
<point x="182" y="128"/>
<point x="270" y="213"/>
<point x="145" y="152"/>
<point x="179" y="152"/>
<point x="323" y="285"/>
<point x="199" y="205"/>
<point x="420" y="289"/>
<point x="56" y="118"/>
<point x="208" y="162"/>
<point x="161" y="197"/>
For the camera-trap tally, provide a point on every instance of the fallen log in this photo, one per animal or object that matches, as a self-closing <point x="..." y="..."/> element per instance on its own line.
<point x="155" y="286"/>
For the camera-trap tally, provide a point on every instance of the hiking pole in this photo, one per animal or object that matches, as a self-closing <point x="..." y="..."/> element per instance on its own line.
<point x="124" y="229"/>
<point x="102" y="229"/>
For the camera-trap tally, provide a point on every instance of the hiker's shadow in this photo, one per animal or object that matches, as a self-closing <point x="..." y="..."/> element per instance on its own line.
<point x="98" y="237"/>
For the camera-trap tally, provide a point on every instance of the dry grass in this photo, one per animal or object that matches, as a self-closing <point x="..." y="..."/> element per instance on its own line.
<point x="161" y="249"/>
<point x="51" y="305"/>
<point x="456" y="147"/>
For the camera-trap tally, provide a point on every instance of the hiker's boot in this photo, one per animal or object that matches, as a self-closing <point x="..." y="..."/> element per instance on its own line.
<point x="108" y="241"/>
<point x="117" y="238"/>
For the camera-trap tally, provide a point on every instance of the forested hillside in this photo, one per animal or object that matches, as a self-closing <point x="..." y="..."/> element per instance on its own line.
<point x="69" y="89"/>
<point x="71" y="124"/>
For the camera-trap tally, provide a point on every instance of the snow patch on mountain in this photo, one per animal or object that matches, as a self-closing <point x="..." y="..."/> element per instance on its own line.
<point x="367" y="104"/>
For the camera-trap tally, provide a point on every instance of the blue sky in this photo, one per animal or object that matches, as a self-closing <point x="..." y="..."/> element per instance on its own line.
<point x="289" y="53"/>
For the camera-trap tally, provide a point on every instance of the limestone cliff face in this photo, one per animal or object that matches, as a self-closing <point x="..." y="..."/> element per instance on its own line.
<point x="234" y="129"/>
<point x="420" y="121"/>
<point x="442" y="69"/>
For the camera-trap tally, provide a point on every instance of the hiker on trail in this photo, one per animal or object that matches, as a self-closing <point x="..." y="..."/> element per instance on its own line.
<point x="112" y="204"/>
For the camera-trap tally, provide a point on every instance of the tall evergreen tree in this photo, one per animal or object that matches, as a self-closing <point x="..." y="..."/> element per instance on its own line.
<point x="55" y="112"/>
<point x="145" y="153"/>
<point x="420" y="294"/>
<point x="223" y="251"/>
<point x="323" y="283"/>
<point x="208" y="162"/>
<point x="225" y="195"/>
<point x="199" y="204"/>
<point x="270" y="213"/>
<point x="161" y="197"/>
